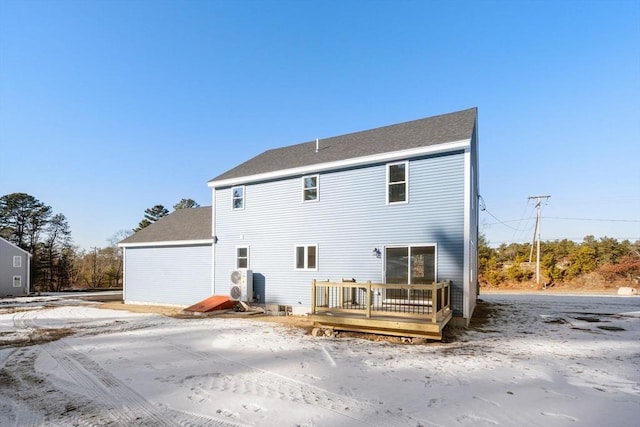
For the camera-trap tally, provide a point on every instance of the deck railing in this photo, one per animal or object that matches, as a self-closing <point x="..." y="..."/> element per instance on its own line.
<point x="431" y="301"/>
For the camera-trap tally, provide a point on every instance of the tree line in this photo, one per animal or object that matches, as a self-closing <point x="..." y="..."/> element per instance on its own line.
<point x="56" y="263"/>
<point x="561" y="261"/>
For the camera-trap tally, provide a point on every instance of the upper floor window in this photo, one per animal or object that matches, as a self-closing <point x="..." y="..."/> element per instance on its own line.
<point x="310" y="188"/>
<point x="242" y="257"/>
<point x="17" y="261"/>
<point x="397" y="182"/>
<point x="238" y="197"/>
<point x="307" y="257"/>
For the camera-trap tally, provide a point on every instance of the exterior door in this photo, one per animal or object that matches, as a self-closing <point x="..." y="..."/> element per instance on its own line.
<point x="412" y="265"/>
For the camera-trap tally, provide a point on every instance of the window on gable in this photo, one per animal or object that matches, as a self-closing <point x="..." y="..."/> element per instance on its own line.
<point x="397" y="181"/>
<point x="17" y="261"/>
<point x="307" y="257"/>
<point x="310" y="188"/>
<point x="17" y="281"/>
<point x="238" y="197"/>
<point x="242" y="257"/>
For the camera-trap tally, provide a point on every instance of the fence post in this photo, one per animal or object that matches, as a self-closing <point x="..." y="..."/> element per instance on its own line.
<point x="434" y="302"/>
<point x="368" y="299"/>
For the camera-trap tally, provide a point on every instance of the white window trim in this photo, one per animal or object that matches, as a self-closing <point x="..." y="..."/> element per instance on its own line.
<point x="17" y="261"/>
<point x="406" y="183"/>
<point x="419" y="245"/>
<point x="317" y="187"/>
<point x="306" y="257"/>
<point x="244" y="198"/>
<point x="248" y="258"/>
<point x="413" y="245"/>
<point x="19" y="285"/>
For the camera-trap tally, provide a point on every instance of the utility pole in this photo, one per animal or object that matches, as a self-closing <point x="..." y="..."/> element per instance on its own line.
<point x="536" y="233"/>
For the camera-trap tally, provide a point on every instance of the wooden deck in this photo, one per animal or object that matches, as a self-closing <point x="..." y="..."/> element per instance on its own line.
<point x="387" y="309"/>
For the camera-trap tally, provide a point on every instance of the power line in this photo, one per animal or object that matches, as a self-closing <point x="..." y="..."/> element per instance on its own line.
<point x="593" y="219"/>
<point x="501" y="222"/>
<point x="565" y="218"/>
<point x="483" y="208"/>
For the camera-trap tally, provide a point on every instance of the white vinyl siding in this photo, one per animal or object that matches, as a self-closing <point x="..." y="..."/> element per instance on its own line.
<point x="178" y="275"/>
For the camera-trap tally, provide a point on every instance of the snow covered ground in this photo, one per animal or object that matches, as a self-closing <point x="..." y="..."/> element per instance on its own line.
<point x="529" y="360"/>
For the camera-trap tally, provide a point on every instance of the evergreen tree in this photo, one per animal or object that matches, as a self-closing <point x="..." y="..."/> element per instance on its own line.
<point x="22" y="219"/>
<point x="185" y="204"/>
<point x="151" y="215"/>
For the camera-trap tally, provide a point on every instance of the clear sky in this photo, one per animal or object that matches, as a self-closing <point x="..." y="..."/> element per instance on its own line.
<point x="110" y="107"/>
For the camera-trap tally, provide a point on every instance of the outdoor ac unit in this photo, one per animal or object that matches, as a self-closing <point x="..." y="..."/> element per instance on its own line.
<point x="241" y="286"/>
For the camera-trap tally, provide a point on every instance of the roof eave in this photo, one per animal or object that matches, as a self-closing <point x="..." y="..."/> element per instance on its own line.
<point x="167" y="243"/>
<point x="340" y="164"/>
<point x="17" y="247"/>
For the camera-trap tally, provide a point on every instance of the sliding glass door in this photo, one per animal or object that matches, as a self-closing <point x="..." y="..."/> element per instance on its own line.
<point x="413" y="265"/>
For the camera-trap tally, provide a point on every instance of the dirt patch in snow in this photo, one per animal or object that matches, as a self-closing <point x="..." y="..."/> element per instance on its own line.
<point x="450" y="333"/>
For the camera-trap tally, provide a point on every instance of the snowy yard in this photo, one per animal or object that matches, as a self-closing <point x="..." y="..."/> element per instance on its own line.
<point x="528" y="360"/>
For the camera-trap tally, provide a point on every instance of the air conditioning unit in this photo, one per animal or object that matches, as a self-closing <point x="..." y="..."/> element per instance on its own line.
<point x="241" y="286"/>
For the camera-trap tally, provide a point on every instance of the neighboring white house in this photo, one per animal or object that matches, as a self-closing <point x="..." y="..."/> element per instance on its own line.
<point x="15" y="264"/>
<point x="396" y="204"/>
<point x="169" y="262"/>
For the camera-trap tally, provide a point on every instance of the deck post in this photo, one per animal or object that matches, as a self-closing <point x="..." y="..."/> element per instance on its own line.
<point x="368" y="301"/>
<point x="313" y="296"/>
<point x="434" y="302"/>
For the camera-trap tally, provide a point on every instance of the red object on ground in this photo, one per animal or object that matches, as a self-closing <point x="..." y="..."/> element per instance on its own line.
<point x="215" y="302"/>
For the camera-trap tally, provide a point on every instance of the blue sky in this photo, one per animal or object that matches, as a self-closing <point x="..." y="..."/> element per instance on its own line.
<point x="110" y="107"/>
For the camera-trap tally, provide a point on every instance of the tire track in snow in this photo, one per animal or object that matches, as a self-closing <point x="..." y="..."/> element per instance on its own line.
<point x="112" y="401"/>
<point x="124" y="404"/>
<point x="19" y="387"/>
<point x="251" y="381"/>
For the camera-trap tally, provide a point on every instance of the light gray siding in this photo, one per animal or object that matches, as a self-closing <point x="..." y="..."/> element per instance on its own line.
<point x="179" y="275"/>
<point x="350" y="218"/>
<point x="7" y="270"/>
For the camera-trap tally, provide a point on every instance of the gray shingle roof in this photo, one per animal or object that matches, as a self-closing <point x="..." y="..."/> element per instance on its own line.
<point x="429" y="131"/>
<point x="183" y="224"/>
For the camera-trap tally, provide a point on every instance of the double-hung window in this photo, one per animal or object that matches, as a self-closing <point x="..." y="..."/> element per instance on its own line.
<point x="17" y="281"/>
<point x="310" y="188"/>
<point x="242" y="257"/>
<point x="306" y="257"/>
<point x="238" y="197"/>
<point x="17" y="261"/>
<point x="397" y="182"/>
